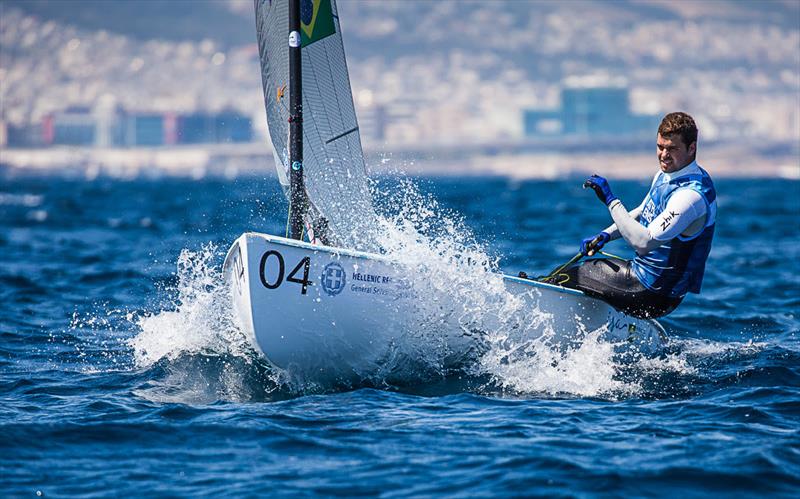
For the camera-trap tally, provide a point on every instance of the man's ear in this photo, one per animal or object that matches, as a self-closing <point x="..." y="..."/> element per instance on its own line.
<point x="692" y="149"/>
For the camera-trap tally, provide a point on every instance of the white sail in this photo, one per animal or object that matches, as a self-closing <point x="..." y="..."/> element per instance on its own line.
<point x="335" y="175"/>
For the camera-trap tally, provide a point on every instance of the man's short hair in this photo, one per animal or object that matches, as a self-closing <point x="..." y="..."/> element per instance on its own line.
<point x="680" y="123"/>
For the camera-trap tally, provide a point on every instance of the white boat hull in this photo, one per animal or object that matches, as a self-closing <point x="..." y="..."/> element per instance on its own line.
<point x="328" y="312"/>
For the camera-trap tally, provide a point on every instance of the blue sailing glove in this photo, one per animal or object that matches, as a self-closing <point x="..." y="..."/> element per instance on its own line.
<point x="601" y="188"/>
<point x="592" y="245"/>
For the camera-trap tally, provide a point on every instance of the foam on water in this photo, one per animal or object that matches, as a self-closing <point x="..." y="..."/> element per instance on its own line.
<point x="195" y="337"/>
<point x="537" y="367"/>
<point x="26" y="199"/>
<point x="199" y="319"/>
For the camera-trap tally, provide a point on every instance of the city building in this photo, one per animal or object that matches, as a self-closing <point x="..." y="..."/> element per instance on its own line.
<point x="75" y="126"/>
<point x="26" y="135"/>
<point x="195" y="128"/>
<point x="143" y="129"/>
<point x="230" y="126"/>
<point x="227" y="126"/>
<point x="372" y="123"/>
<point x="589" y="111"/>
<point x="109" y="126"/>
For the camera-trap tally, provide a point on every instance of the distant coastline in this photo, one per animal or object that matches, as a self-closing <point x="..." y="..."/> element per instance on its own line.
<point x="519" y="160"/>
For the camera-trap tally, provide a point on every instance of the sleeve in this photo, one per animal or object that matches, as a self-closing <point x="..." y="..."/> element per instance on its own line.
<point x="684" y="207"/>
<point x="630" y="229"/>
<point x="612" y="230"/>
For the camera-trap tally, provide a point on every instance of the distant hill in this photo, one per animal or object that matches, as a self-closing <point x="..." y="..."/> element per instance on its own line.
<point x="148" y="19"/>
<point x="393" y="26"/>
<point x="409" y="26"/>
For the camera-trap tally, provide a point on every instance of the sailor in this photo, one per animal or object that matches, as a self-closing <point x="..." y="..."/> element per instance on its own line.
<point x="671" y="231"/>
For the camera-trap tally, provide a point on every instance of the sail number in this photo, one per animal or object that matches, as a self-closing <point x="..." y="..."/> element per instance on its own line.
<point x="275" y="281"/>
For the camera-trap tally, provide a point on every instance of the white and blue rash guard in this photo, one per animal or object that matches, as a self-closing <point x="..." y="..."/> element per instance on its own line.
<point x="671" y="231"/>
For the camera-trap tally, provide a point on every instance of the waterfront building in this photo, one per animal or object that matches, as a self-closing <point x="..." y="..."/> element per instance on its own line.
<point x="589" y="111"/>
<point x="230" y="126"/>
<point x="227" y="126"/>
<point x="145" y="129"/>
<point x="74" y="127"/>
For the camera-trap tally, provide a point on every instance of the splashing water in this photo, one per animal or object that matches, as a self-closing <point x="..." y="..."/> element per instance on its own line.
<point x="538" y="367"/>
<point x="453" y="277"/>
<point x="206" y="356"/>
<point x="201" y="321"/>
<point x="465" y="292"/>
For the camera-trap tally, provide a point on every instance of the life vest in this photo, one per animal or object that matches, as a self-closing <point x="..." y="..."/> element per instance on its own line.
<point x="677" y="266"/>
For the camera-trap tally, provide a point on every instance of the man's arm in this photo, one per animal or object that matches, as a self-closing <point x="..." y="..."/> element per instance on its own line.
<point x="684" y="207"/>
<point x="612" y="230"/>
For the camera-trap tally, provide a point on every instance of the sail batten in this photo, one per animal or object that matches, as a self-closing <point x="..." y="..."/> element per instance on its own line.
<point x="348" y="132"/>
<point x="333" y="162"/>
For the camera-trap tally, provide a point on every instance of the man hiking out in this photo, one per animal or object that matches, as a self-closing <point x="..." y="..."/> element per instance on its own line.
<point x="671" y="231"/>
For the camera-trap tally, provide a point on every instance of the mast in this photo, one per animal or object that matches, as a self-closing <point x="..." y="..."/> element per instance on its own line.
<point x="298" y="204"/>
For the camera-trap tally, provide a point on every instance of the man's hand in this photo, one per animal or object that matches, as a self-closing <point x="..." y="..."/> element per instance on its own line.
<point x="592" y="245"/>
<point x="601" y="188"/>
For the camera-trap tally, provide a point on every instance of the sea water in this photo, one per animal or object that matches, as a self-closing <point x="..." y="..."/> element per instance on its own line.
<point x="123" y="372"/>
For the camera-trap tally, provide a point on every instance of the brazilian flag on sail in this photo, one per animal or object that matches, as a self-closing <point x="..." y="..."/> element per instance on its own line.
<point x="316" y="21"/>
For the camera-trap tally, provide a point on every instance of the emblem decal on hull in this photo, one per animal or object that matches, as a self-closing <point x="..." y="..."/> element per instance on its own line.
<point x="333" y="279"/>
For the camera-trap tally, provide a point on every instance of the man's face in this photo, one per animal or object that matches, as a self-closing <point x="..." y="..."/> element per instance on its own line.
<point x="673" y="154"/>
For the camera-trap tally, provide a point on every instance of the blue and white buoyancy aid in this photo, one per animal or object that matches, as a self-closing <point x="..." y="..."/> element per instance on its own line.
<point x="677" y="266"/>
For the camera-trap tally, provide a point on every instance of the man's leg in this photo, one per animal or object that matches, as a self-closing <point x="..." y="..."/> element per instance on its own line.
<point x="614" y="282"/>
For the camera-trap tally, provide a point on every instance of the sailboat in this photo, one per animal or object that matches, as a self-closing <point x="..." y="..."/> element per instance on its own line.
<point x="323" y="301"/>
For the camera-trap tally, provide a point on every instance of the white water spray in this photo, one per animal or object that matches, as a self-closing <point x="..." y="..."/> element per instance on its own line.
<point x="462" y="291"/>
<point x="199" y="322"/>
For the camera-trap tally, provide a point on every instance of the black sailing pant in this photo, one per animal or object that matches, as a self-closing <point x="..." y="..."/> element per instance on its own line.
<point x="614" y="282"/>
